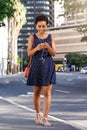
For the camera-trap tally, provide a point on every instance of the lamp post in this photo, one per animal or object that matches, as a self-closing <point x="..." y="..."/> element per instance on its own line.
<point x="64" y="64"/>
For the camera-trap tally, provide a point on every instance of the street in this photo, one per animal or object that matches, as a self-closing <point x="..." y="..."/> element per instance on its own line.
<point x="68" y="110"/>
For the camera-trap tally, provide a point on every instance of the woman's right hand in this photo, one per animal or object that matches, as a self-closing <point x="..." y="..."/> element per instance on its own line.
<point x="40" y="46"/>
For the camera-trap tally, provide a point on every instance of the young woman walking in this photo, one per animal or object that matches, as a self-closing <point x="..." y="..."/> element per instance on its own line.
<point x="41" y="47"/>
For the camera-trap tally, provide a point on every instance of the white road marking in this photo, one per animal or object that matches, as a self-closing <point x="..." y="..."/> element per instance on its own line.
<point x="16" y="104"/>
<point x="82" y="77"/>
<point x="62" y="73"/>
<point x="24" y="81"/>
<point x="52" y="117"/>
<point x="67" y="92"/>
<point x="69" y="79"/>
<point x="29" y="94"/>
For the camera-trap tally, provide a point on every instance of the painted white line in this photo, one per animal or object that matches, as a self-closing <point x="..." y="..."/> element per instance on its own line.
<point x="16" y="104"/>
<point x="29" y="94"/>
<point x="26" y="95"/>
<point x="52" y="117"/>
<point x="62" y="73"/>
<point x="67" y="92"/>
<point x="69" y="79"/>
<point x="24" y="81"/>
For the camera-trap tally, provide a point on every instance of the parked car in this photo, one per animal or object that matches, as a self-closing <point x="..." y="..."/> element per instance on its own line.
<point x="84" y="70"/>
<point x="60" y="69"/>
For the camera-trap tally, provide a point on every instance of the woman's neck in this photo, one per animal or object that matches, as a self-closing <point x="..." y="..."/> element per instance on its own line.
<point x="41" y="35"/>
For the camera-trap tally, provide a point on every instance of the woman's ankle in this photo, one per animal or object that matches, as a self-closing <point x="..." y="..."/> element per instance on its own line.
<point x="38" y="117"/>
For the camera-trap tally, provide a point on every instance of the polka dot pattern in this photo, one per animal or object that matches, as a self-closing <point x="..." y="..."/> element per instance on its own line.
<point x="42" y="71"/>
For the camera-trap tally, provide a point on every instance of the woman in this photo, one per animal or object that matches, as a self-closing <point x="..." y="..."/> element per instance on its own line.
<point x="41" y="47"/>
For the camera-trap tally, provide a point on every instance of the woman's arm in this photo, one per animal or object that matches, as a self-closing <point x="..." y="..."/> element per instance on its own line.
<point x="30" y="50"/>
<point x="52" y="48"/>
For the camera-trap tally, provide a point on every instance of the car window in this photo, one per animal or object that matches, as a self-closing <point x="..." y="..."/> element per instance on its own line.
<point x="85" y="68"/>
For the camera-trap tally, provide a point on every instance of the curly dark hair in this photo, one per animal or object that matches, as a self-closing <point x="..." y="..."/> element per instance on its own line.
<point x="41" y="17"/>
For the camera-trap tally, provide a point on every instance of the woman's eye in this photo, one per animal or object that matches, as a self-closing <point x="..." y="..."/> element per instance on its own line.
<point x="41" y="26"/>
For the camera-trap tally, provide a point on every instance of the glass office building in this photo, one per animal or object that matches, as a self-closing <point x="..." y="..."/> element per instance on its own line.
<point x="34" y="8"/>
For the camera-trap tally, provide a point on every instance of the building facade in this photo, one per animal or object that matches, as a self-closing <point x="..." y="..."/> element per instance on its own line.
<point x="34" y="8"/>
<point x="68" y="39"/>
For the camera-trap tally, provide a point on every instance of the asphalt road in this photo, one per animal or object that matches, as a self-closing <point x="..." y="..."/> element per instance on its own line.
<point x="68" y="109"/>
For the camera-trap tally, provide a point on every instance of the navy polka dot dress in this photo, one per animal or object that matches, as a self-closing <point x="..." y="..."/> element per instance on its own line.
<point x="42" y="71"/>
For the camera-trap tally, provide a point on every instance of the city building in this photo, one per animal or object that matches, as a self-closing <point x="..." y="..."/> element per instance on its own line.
<point x="34" y="8"/>
<point x="79" y="13"/>
<point x="68" y="39"/>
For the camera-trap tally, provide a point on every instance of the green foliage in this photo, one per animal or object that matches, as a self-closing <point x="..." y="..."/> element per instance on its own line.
<point x="26" y="62"/>
<point x="72" y="7"/>
<point x="84" y="39"/>
<point x="13" y="8"/>
<point x="18" y="60"/>
<point x="76" y="59"/>
<point x="83" y="29"/>
<point x="71" y="10"/>
<point x="6" y="9"/>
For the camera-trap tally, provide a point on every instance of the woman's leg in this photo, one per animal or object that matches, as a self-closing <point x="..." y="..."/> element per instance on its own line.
<point x="36" y="100"/>
<point x="47" y="99"/>
<point x="46" y="105"/>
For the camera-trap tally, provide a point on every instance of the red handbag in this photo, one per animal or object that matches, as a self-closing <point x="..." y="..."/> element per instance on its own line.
<point x="27" y="69"/>
<point x="26" y="72"/>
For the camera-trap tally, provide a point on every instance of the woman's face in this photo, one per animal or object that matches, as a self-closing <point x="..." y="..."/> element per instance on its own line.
<point x="41" y="26"/>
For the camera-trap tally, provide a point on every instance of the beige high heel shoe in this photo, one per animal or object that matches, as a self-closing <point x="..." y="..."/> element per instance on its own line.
<point x="38" y="118"/>
<point x="45" y="122"/>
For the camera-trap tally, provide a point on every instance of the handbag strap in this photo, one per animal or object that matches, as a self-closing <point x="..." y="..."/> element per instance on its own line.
<point x="30" y="60"/>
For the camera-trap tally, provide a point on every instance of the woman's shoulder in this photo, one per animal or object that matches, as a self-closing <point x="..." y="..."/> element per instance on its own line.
<point x="51" y="36"/>
<point x="31" y="36"/>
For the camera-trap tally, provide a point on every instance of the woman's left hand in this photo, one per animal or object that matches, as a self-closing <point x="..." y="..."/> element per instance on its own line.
<point x="46" y="45"/>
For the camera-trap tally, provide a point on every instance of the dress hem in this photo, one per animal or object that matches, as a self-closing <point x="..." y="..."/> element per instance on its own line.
<point x="40" y="85"/>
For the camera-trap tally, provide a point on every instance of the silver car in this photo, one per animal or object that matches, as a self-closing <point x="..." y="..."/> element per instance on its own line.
<point x="84" y="70"/>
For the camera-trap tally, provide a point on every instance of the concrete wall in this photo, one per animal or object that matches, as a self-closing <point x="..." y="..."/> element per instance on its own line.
<point x="68" y="40"/>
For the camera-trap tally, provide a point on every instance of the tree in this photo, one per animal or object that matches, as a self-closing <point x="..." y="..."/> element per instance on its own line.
<point x="72" y="10"/>
<point x="15" y="24"/>
<point x="76" y="59"/>
<point x="6" y="10"/>
<point x="83" y="29"/>
<point x="15" y="13"/>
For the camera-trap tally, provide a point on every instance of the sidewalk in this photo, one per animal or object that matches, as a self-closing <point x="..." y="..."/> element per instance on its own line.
<point x="9" y="75"/>
<point x="13" y="117"/>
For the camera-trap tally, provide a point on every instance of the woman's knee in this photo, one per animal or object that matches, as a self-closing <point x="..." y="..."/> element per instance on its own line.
<point x="37" y="91"/>
<point x="47" y="92"/>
